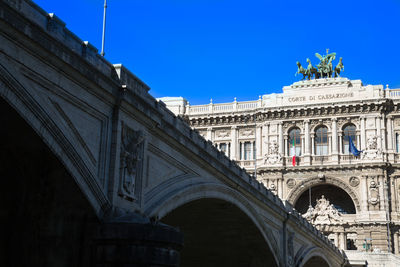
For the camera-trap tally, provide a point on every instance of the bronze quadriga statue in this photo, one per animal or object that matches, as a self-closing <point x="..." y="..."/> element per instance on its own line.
<point x="324" y="68"/>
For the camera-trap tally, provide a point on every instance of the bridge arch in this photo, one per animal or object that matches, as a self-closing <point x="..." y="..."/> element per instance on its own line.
<point x="313" y="257"/>
<point x="299" y="189"/>
<point x="217" y="206"/>
<point x="38" y="115"/>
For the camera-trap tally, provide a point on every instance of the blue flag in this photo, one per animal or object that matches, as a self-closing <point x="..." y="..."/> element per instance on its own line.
<point x="352" y="148"/>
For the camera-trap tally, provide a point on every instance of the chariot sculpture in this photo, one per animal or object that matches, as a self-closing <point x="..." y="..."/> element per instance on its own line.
<point x="324" y="69"/>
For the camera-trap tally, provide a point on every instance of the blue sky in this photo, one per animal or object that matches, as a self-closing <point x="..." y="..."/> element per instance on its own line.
<point x="221" y="49"/>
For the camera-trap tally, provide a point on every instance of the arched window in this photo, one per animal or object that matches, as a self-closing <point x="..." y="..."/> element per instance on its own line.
<point x="321" y="141"/>
<point x="294" y="141"/>
<point x="349" y="131"/>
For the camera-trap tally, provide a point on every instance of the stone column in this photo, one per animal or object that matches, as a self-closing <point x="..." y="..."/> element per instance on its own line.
<point x="307" y="152"/>
<point x="334" y="136"/>
<point x="382" y="194"/>
<point x="362" y="133"/>
<point x="286" y="146"/>
<point x="364" y="193"/>
<point x="307" y="137"/>
<point x="378" y="132"/>
<point x="389" y="128"/>
<point x="251" y="150"/>
<point x="394" y="193"/>
<point x="312" y="145"/>
<point x="266" y="139"/>
<point x="259" y="141"/>
<point x="337" y="239"/>
<point x="341" y="143"/>
<point x="396" y="243"/>
<point x="280" y="137"/>
<point x="209" y="134"/>
<point x="335" y="157"/>
<point x="342" y="240"/>
<point x="383" y="134"/>
<point x="241" y="150"/>
<point x="234" y="143"/>
<point x="329" y="145"/>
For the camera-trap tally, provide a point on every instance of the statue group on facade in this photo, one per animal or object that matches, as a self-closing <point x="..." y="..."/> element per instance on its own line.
<point x="324" y="68"/>
<point x="323" y="213"/>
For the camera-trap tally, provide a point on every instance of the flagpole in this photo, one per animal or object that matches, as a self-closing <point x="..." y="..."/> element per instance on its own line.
<point x="104" y="29"/>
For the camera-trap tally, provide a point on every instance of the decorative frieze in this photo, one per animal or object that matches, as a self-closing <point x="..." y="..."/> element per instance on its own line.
<point x="221" y="134"/>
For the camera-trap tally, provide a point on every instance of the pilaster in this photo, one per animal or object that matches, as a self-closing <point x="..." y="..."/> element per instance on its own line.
<point x="362" y="133"/>
<point x="307" y="156"/>
<point x="234" y="143"/>
<point x="335" y="156"/>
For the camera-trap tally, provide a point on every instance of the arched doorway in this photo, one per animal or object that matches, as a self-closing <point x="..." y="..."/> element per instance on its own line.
<point x="217" y="233"/>
<point x="337" y="196"/>
<point x="46" y="219"/>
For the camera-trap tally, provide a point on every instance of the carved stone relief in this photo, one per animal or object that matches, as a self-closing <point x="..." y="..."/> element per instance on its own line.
<point x="246" y="132"/>
<point x="273" y="156"/>
<point x="131" y="161"/>
<point x="291" y="183"/>
<point x="373" y="193"/>
<point x="354" y="181"/>
<point x="222" y="133"/>
<point x="372" y="151"/>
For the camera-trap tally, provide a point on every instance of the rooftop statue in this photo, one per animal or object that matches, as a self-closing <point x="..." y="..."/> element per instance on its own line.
<point x="324" y="68"/>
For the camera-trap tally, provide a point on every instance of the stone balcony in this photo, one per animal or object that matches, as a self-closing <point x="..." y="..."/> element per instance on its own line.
<point x="314" y="160"/>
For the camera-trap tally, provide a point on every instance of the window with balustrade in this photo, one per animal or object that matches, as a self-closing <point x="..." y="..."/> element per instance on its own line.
<point x="294" y="142"/>
<point x="321" y="141"/>
<point x="349" y="131"/>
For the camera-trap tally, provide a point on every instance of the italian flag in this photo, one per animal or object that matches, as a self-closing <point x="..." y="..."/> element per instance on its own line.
<point x="294" y="154"/>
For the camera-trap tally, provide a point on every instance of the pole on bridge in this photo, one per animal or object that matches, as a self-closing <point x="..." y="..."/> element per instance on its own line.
<point x="104" y="29"/>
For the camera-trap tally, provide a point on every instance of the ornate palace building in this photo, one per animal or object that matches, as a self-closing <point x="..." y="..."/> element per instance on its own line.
<point x="297" y="144"/>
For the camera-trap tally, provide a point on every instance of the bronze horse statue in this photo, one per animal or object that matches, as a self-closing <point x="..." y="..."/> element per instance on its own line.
<point x="312" y="71"/>
<point x="339" y="67"/>
<point x="302" y="70"/>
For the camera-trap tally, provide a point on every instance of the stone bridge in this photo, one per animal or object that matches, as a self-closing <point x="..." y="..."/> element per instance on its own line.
<point x="95" y="172"/>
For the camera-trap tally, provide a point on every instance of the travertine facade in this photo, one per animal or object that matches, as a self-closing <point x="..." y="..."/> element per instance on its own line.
<point x="314" y="119"/>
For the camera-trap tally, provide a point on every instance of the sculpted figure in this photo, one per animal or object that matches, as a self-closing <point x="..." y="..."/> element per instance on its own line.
<point x="273" y="148"/>
<point x="372" y="151"/>
<point x="339" y="67"/>
<point x="324" y="69"/>
<point x="323" y="213"/>
<point x="325" y="66"/>
<point x="372" y="143"/>
<point x="130" y="157"/>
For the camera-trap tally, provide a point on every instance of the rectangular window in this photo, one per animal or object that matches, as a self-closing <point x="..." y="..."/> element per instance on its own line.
<point x="225" y="147"/>
<point x="247" y="150"/>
